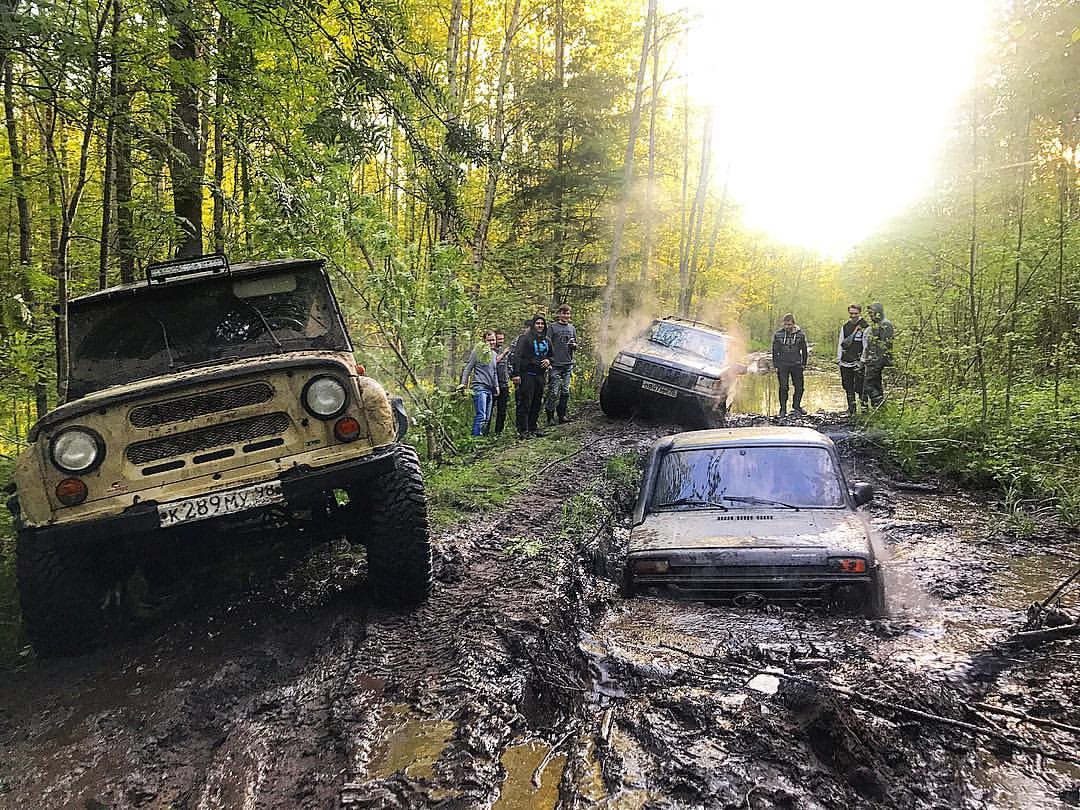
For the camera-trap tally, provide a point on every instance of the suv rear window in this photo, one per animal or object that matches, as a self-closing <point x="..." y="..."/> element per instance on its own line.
<point x="677" y="336"/>
<point x="799" y="476"/>
<point x="155" y="330"/>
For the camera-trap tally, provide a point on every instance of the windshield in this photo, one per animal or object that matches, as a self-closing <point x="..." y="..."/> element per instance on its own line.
<point x="677" y="336"/>
<point x="167" y="328"/>
<point x="748" y="477"/>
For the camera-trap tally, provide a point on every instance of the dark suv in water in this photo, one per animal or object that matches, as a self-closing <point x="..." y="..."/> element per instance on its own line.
<point x="675" y="367"/>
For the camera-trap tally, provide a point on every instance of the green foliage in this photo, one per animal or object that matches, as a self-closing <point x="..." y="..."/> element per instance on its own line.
<point x="1030" y="453"/>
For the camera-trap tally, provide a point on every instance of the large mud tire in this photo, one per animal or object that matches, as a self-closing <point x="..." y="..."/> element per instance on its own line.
<point x="399" y="543"/>
<point x="60" y="597"/>
<point x="614" y="401"/>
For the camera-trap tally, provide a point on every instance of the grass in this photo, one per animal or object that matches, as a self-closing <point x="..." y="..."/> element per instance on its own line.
<point x="492" y="471"/>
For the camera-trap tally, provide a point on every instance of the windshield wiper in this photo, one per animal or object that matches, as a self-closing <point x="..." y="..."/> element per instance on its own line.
<point x="265" y="323"/>
<point x="693" y="502"/>
<point x="757" y="500"/>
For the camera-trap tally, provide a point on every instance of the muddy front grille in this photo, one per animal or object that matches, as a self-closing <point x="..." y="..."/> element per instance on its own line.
<point x="179" y="410"/>
<point x="665" y="374"/>
<point x="194" y="441"/>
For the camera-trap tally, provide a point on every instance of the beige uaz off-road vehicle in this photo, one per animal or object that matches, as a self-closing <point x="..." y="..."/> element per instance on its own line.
<point x="207" y="401"/>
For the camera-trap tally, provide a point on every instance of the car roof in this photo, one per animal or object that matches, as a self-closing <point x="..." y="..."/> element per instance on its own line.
<point x="250" y="268"/>
<point x="747" y="436"/>
<point x="701" y="326"/>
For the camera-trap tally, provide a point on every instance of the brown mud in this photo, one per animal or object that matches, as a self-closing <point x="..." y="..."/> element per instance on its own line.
<point x="526" y="682"/>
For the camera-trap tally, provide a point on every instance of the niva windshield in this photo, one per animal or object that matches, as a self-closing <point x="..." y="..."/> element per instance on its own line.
<point x="676" y="336"/>
<point x="746" y="477"/>
<point x="157" y="330"/>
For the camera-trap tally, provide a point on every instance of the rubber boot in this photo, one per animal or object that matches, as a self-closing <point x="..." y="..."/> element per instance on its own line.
<point x="564" y="401"/>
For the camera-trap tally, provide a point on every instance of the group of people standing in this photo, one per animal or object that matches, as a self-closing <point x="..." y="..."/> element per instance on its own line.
<point x="539" y="363"/>
<point x="863" y="350"/>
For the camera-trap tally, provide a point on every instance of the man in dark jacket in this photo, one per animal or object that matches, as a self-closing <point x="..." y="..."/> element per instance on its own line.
<point x="877" y="353"/>
<point x="789" y="356"/>
<point x="532" y="358"/>
<point x="849" y="349"/>
<point x="563" y="343"/>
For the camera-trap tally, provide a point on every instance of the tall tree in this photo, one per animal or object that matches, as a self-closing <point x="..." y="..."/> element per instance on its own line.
<point x="186" y="154"/>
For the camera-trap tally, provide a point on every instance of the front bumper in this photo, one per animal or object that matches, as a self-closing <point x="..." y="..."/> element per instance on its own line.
<point x="756" y="585"/>
<point x="629" y="384"/>
<point x="298" y="485"/>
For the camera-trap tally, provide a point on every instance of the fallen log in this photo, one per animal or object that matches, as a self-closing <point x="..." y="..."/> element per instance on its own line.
<point x="1032" y="638"/>
<point x="910" y="711"/>
<point x="989" y="708"/>
<point x="912" y="486"/>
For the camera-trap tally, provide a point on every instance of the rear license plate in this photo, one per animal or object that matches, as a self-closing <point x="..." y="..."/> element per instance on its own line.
<point x="659" y="389"/>
<point x="219" y="503"/>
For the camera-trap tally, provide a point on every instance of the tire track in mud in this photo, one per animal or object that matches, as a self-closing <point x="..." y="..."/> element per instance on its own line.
<point x="298" y="696"/>
<point x="272" y="701"/>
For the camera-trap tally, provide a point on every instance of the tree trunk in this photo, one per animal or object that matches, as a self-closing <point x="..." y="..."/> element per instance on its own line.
<point x="498" y="143"/>
<point x="219" y="138"/>
<point x="245" y="183"/>
<point x="108" y="174"/>
<point x="650" y="216"/>
<point x="186" y="155"/>
<point x="699" y="206"/>
<point x="559" y="241"/>
<point x="1017" y="260"/>
<point x="22" y="202"/>
<point x="628" y="168"/>
<point x="973" y="308"/>
<point x="684" y="270"/>
<point x="125" y="220"/>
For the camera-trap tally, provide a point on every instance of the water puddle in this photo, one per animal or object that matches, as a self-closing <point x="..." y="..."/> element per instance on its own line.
<point x="412" y="745"/>
<point x="757" y="393"/>
<point x="519" y="790"/>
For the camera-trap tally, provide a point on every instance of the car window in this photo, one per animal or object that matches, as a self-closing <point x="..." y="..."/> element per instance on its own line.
<point x="677" y="336"/>
<point x="164" y="328"/>
<point x="800" y="476"/>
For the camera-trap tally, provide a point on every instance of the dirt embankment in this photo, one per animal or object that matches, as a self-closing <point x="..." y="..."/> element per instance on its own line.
<point x="526" y="681"/>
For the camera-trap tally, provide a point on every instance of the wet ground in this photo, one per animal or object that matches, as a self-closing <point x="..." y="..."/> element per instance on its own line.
<point x="526" y="682"/>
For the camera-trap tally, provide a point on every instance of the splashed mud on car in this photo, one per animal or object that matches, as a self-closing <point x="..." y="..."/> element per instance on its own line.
<point x="527" y="681"/>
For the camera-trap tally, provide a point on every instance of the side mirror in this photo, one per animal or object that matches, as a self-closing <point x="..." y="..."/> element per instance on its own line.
<point x="862" y="493"/>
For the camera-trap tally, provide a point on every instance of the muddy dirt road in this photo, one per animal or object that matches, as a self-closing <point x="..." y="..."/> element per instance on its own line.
<point x="526" y="682"/>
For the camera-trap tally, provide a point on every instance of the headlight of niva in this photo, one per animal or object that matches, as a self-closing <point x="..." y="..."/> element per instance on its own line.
<point x="77" y="450"/>
<point x="325" y="397"/>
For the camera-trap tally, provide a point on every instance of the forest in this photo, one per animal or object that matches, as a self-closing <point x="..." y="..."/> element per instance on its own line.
<point x="462" y="164"/>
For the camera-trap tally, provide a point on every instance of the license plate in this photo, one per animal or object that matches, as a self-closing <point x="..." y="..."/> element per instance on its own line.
<point x="219" y="503"/>
<point x="659" y="389"/>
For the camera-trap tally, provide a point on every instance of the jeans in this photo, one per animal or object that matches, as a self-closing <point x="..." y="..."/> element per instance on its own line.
<point x="796" y="375"/>
<point x="481" y="398"/>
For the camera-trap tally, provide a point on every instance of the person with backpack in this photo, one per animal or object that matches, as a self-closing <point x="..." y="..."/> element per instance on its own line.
<point x="532" y="359"/>
<point x="877" y="353"/>
<point x="849" y="349"/>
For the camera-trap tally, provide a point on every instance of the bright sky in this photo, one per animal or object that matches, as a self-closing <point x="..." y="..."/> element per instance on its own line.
<point x="830" y="112"/>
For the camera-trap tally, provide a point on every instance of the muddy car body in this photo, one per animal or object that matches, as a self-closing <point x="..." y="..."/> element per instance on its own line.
<point x="752" y="516"/>
<point x="677" y="368"/>
<point x="214" y="401"/>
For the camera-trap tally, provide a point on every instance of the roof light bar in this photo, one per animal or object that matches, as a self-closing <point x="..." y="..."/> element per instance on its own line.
<point x="210" y="265"/>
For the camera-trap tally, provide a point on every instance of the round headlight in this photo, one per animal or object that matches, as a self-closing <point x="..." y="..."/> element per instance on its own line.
<point x="77" y="450"/>
<point x="325" y="397"/>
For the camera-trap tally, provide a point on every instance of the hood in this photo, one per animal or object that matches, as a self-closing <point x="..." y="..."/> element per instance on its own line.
<point x="531" y="331"/>
<point x="836" y="530"/>
<point x="878" y="308"/>
<point x="177" y="381"/>
<point x="649" y="350"/>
